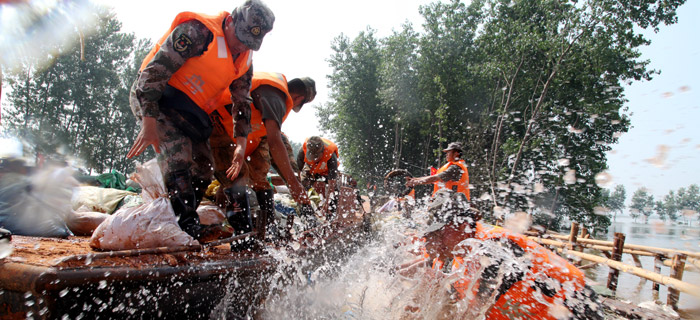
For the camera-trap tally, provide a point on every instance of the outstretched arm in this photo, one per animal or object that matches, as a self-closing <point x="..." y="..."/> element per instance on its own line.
<point x="281" y="159"/>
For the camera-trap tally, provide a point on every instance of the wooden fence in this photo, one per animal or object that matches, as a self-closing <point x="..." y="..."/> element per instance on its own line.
<point x="679" y="261"/>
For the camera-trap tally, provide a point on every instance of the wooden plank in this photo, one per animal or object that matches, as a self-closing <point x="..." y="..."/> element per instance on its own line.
<point x="668" y="252"/>
<point x="646" y="274"/>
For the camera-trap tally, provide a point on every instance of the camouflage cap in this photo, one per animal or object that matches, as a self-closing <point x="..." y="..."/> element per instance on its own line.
<point x="253" y="19"/>
<point x="453" y="146"/>
<point x="314" y="148"/>
<point x="309" y="86"/>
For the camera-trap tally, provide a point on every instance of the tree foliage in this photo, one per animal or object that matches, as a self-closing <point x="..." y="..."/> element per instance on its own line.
<point x="684" y="202"/>
<point x="642" y="203"/>
<point x="77" y="106"/>
<point x="533" y="88"/>
<point x="615" y="200"/>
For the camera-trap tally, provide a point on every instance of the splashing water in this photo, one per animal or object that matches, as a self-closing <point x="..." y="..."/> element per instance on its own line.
<point x="369" y="285"/>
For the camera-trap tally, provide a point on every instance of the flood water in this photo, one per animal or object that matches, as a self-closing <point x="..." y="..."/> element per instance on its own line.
<point x="366" y="286"/>
<point x="655" y="233"/>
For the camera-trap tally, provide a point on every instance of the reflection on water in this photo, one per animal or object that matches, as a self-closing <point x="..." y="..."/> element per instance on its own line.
<point x="655" y="233"/>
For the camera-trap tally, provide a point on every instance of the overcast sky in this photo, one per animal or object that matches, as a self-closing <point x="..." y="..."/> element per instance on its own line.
<point x="661" y="150"/>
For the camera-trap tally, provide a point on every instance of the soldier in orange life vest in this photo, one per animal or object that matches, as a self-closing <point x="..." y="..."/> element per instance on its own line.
<point x="318" y="163"/>
<point x="273" y="99"/>
<point x="453" y="175"/>
<point x="175" y="95"/>
<point x="502" y="274"/>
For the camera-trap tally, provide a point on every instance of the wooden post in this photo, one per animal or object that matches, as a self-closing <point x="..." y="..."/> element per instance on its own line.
<point x="618" y="246"/>
<point x="573" y="235"/>
<point x="584" y="233"/>
<point x="637" y="262"/>
<point x="677" y="273"/>
<point x="658" y="261"/>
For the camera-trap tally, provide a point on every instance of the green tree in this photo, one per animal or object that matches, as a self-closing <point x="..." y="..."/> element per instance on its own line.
<point x="355" y="115"/>
<point x="688" y="201"/>
<point x="668" y="207"/>
<point x="642" y="202"/>
<point x="615" y="201"/>
<point x="77" y="106"/>
<point x="533" y="88"/>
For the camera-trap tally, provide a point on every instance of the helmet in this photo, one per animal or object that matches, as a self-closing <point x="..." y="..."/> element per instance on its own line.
<point x="305" y="86"/>
<point x="453" y="146"/>
<point x="314" y="148"/>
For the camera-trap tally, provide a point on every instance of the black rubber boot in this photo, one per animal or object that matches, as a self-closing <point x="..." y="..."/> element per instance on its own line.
<point x="238" y="215"/>
<point x="184" y="201"/>
<point x="264" y="223"/>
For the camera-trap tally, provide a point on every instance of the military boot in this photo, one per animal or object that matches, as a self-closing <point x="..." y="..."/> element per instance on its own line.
<point x="184" y="201"/>
<point x="238" y="215"/>
<point x="264" y="224"/>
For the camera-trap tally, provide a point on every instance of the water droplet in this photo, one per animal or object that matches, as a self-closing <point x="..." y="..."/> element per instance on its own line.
<point x="603" y="179"/>
<point x="570" y="176"/>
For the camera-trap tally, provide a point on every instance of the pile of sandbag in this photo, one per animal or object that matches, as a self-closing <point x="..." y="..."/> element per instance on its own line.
<point x="148" y="225"/>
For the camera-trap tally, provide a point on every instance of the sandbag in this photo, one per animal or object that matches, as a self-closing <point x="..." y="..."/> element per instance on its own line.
<point x="84" y="223"/>
<point x="210" y="214"/>
<point x="105" y="200"/>
<point x="37" y="205"/>
<point x="148" y="225"/>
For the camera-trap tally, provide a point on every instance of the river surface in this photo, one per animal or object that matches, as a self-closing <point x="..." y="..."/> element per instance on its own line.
<point x="655" y="233"/>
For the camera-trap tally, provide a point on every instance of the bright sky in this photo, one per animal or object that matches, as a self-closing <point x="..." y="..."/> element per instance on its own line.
<point x="662" y="149"/>
<point x="660" y="152"/>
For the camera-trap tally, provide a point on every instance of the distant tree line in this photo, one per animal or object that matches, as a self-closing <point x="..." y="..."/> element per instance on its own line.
<point x="683" y="203"/>
<point x="533" y="88"/>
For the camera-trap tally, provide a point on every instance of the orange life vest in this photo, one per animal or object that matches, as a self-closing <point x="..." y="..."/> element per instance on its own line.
<point x="204" y="78"/>
<point x="320" y="166"/>
<point x="522" y="300"/>
<point x="257" y="126"/>
<point x="461" y="185"/>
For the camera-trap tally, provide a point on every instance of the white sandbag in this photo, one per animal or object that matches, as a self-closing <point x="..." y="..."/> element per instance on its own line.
<point x="210" y="214"/>
<point x="98" y="199"/>
<point x="84" y="223"/>
<point x="149" y="225"/>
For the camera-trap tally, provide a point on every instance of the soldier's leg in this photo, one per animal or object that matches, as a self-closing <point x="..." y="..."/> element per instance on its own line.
<point x="175" y="161"/>
<point x="202" y="169"/>
<point x="237" y="206"/>
<point x="259" y="165"/>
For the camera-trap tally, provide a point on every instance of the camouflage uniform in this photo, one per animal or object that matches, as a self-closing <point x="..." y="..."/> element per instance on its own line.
<point x="188" y="162"/>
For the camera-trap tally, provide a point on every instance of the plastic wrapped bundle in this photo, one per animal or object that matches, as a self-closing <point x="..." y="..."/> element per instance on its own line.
<point x="37" y="205"/>
<point x="149" y="225"/>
